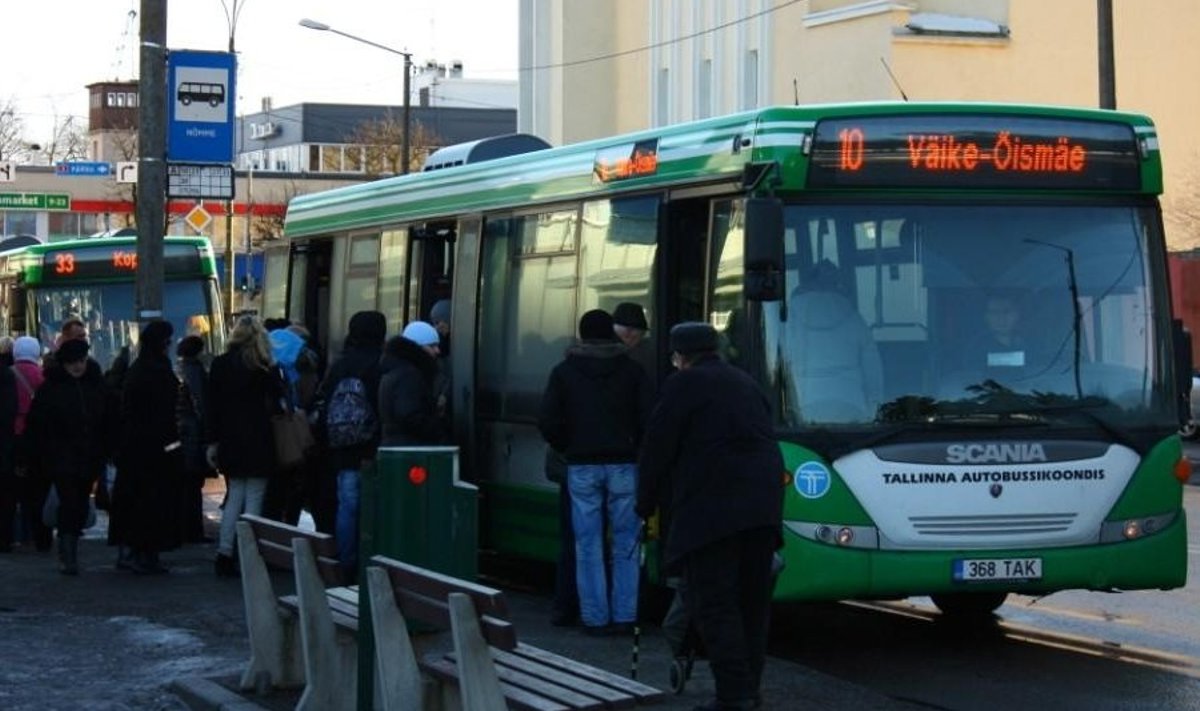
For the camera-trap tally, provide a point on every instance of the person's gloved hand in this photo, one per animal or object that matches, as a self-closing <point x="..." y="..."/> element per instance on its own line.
<point x="210" y="455"/>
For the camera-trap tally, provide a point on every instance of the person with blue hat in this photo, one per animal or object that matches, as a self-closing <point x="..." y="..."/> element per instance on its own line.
<point x="408" y="411"/>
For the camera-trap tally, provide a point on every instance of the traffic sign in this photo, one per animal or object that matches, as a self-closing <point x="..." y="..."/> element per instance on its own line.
<point x="35" y="201"/>
<point x="8" y="172"/>
<point x="200" y="98"/>
<point x="198" y="218"/>
<point x="83" y="167"/>
<point x="200" y="180"/>
<point x="127" y="171"/>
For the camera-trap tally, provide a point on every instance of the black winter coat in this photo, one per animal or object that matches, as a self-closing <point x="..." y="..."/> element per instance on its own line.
<point x="596" y="404"/>
<point x="72" y="424"/>
<point x="193" y="391"/>
<point x="408" y="396"/>
<point x="710" y="447"/>
<point x="146" y="498"/>
<point x="240" y="403"/>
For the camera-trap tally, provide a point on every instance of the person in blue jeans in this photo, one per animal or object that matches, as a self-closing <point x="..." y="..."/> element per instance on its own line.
<point x="360" y="360"/>
<point x="593" y="412"/>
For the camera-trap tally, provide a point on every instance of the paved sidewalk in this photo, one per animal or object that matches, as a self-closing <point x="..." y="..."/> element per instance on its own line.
<point x="111" y="640"/>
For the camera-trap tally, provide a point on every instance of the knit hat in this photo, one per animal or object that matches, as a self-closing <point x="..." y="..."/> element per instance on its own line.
<point x="596" y="325"/>
<point x="72" y="351"/>
<point x="155" y="337"/>
<point x="421" y="334"/>
<point x="693" y="337"/>
<point x="630" y="315"/>
<point x="440" y="312"/>
<point x="190" y="347"/>
<point x="26" y="348"/>
<point x="367" y="329"/>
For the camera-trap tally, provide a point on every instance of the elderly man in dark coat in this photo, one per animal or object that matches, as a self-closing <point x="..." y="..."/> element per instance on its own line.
<point x="150" y="466"/>
<point x="408" y="409"/>
<point x="710" y="443"/>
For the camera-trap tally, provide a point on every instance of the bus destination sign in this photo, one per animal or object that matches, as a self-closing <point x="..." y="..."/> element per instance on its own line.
<point x="955" y="151"/>
<point x="627" y="161"/>
<point x="113" y="262"/>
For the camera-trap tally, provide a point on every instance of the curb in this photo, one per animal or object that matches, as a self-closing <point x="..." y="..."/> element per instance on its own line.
<point x="202" y="694"/>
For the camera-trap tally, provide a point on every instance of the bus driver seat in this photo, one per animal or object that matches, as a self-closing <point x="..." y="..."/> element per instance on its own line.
<point x="838" y="374"/>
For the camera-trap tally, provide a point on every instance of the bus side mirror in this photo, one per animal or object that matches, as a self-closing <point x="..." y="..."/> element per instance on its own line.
<point x="763" y="279"/>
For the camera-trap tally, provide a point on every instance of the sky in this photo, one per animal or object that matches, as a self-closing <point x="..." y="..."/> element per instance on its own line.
<point x="61" y="46"/>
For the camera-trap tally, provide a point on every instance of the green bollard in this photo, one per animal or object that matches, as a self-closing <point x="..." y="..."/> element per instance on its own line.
<point x="416" y="510"/>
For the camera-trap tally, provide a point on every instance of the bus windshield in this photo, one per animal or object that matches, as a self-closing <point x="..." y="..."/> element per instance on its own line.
<point x="108" y="312"/>
<point x="979" y="314"/>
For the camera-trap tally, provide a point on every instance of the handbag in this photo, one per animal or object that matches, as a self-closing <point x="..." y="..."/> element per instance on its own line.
<point x="293" y="437"/>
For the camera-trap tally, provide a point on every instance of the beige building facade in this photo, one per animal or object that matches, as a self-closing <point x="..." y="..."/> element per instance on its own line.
<point x="593" y="69"/>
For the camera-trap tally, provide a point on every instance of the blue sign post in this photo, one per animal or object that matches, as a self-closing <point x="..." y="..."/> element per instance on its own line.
<point x="200" y="105"/>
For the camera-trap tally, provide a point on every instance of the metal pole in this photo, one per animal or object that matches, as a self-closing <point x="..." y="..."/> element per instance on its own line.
<point x="229" y="266"/>
<point x="1104" y="31"/>
<point x="152" y="169"/>
<point x="405" y="148"/>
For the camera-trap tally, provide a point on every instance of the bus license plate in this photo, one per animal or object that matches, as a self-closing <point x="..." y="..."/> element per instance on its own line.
<point x="971" y="570"/>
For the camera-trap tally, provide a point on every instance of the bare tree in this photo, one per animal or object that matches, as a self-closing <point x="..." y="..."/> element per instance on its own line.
<point x="67" y="142"/>
<point x="12" y="130"/>
<point x="376" y="146"/>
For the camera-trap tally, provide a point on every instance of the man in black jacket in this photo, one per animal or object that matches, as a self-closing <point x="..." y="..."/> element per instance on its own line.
<point x="710" y="444"/>
<point x="593" y="412"/>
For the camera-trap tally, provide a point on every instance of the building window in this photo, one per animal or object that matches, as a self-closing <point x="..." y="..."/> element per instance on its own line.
<point x="112" y="99"/>
<point x="704" y="89"/>
<point x="663" y="106"/>
<point x="750" y="81"/>
<point x="314" y="157"/>
<point x="131" y="100"/>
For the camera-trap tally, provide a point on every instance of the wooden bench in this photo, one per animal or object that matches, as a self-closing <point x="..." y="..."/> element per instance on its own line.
<point x="306" y="638"/>
<point x="488" y="667"/>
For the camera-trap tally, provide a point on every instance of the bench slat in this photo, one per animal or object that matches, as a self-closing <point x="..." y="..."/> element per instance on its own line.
<point x="644" y="693"/>
<point x="274" y="541"/>
<point x="426" y="583"/>
<point x="517" y="698"/>
<point x="612" y="698"/>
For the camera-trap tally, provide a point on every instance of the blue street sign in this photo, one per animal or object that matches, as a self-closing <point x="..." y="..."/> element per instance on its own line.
<point x="200" y="98"/>
<point x="83" y="167"/>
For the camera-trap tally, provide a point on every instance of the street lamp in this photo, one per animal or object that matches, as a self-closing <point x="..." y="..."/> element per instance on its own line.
<point x="404" y="146"/>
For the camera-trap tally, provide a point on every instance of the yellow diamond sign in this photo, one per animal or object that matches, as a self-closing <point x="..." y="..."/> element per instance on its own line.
<point x="198" y="218"/>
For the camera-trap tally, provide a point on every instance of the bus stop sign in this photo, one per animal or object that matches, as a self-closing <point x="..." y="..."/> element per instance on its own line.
<point x="200" y="105"/>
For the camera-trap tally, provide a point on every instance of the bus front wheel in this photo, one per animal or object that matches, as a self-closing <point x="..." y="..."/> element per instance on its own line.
<point x="968" y="605"/>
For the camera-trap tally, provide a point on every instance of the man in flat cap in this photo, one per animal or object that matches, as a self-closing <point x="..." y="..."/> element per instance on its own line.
<point x="709" y="459"/>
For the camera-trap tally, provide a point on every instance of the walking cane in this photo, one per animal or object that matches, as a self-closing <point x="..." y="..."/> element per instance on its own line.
<point x="639" y="550"/>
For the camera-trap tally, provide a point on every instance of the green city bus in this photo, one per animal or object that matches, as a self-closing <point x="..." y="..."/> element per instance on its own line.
<point x="850" y="256"/>
<point x="43" y="285"/>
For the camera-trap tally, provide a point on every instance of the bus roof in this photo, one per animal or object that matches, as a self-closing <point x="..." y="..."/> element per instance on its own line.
<point x="707" y="151"/>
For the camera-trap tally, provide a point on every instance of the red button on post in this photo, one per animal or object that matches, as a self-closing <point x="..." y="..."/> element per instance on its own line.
<point x="418" y="475"/>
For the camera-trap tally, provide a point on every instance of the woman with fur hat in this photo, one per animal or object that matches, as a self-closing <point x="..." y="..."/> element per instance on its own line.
<point x="69" y="431"/>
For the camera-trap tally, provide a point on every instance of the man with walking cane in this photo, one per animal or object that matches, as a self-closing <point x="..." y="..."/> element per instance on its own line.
<point x="710" y="443"/>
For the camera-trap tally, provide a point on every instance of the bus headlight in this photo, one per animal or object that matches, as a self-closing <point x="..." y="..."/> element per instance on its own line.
<point x="848" y="536"/>
<point x="845" y="536"/>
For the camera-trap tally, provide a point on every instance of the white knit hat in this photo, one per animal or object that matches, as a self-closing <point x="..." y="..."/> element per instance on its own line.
<point x="27" y="348"/>
<point x="421" y="334"/>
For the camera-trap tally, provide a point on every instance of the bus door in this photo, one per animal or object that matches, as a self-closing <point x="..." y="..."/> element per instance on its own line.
<point x="309" y="289"/>
<point x="431" y="267"/>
